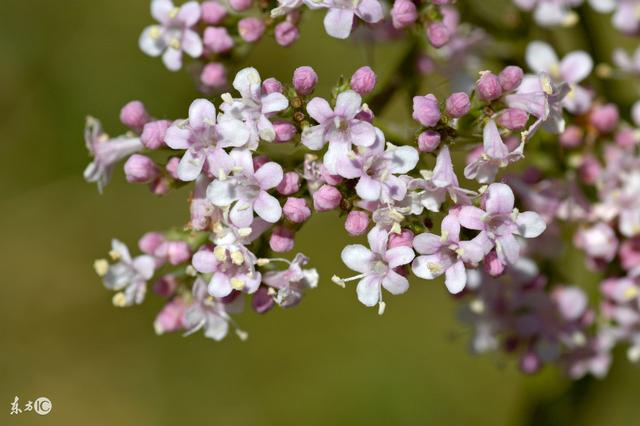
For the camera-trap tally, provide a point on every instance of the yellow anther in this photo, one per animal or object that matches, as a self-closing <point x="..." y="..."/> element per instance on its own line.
<point x="220" y="253"/>
<point x="262" y="262"/>
<point x="114" y="255"/>
<point x="119" y="300"/>
<point x="434" y="268"/>
<point x="245" y="232"/>
<point x="237" y="258"/>
<point x="631" y="293"/>
<point x="101" y="267"/>
<point x="174" y="12"/>
<point x="237" y="283"/>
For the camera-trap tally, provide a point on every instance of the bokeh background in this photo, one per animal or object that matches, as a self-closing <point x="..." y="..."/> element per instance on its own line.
<point x="331" y="361"/>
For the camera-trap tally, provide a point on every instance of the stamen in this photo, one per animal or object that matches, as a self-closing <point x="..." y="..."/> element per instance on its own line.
<point x="114" y="255"/>
<point x="101" y="267"/>
<point x="119" y="300"/>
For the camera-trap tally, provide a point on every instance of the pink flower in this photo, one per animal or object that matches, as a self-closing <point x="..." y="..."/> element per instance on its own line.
<point x="204" y="140"/>
<point x="356" y="223"/>
<point x="445" y="254"/>
<point x="174" y="34"/>
<point x="403" y="13"/>
<point x="499" y="223"/>
<point x="376" y="267"/>
<point x="495" y="155"/>
<point x="105" y="152"/>
<point x="247" y="190"/>
<point x="291" y="283"/>
<point x="217" y="39"/>
<point x="426" y="110"/>
<point x="598" y="241"/>
<point x="171" y="317"/>
<point x="339" y="127"/>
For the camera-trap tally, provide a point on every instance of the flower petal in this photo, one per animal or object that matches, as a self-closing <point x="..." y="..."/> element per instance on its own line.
<point x="368" y="188"/>
<point x="456" y="277"/>
<point x="576" y="66"/>
<point x="530" y="224"/>
<point x="427" y="243"/>
<point x="500" y="199"/>
<point x="399" y="256"/>
<point x="395" y="283"/>
<point x="348" y="104"/>
<point x="191" y="165"/>
<point x="319" y="110"/>
<point x="267" y="207"/>
<point x="338" y="22"/>
<point x="220" y="285"/>
<point x="357" y="257"/>
<point x="269" y="175"/>
<point x="472" y="218"/>
<point x="368" y="290"/>
<point x="541" y="57"/>
<point x="313" y="137"/>
<point x="202" y="113"/>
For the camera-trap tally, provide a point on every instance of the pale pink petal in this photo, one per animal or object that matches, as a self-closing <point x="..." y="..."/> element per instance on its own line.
<point x="362" y="133"/>
<point x="313" y="137"/>
<point x="456" y="277"/>
<point x="202" y="113"/>
<point x="274" y="102"/>
<point x="500" y="199"/>
<point x="377" y="238"/>
<point x="267" y="207"/>
<point x="430" y="266"/>
<point x="508" y="249"/>
<point x="576" y="66"/>
<point x="348" y="104"/>
<point x="172" y="59"/>
<point x="472" y="218"/>
<point x="541" y="57"/>
<point x="370" y="11"/>
<point x="161" y="9"/>
<point x="220" y="285"/>
<point x="241" y="214"/>
<point x="269" y="175"/>
<point x="152" y="46"/>
<point x="191" y="165"/>
<point x="368" y="290"/>
<point x="530" y="224"/>
<point x="492" y="142"/>
<point x="427" y="243"/>
<point x="338" y="22"/>
<point x="177" y="137"/>
<point x="395" y="283"/>
<point x="189" y="13"/>
<point x="192" y="44"/>
<point x="368" y="188"/>
<point x="357" y="257"/>
<point x="398" y="256"/>
<point x="450" y="228"/>
<point x="319" y="110"/>
<point x="204" y="261"/>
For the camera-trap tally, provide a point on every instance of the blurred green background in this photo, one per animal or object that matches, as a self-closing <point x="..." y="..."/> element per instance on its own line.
<point x="330" y="361"/>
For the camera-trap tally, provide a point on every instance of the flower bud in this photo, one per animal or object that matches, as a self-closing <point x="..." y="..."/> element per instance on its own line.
<point x="428" y="141"/>
<point x="492" y="264"/>
<point x="326" y="198"/>
<point x="604" y="117"/>
<point x="286" y="33"/>
<point x="513" y="119"/>
<point x="171" y="317"/>
<point x="140" y="169"/>
<point x="240" y="5"/>
<point x="357" y="222"/>
<point x="403" y="13"/>
<point x="426" y="65"/>
<point x="165" y="286"/>
<point x="571" y="137"/>
<point x="214" y="75"/>
<point x="272" y="85"/>
<point x="403" y="239"/>
<point x="363" y="80"/>
<point x="134" y="115"/>
<point x="510" y="78"/>
<point x="159" y="186"/>
<point x="458" y="104"/>
<point x="290" y="184"/>
<point x="285" y="131"/>
<point x="261" y="300"/>
<point x="304" y="80"/>
<point x="296" y="210"/>
<point x="213" y="12"/>
<point x="589" y="169"/>
<point x="626" y="138"/>
<point x="281" y="239"/>
<point x="153" y="133"/>
<point x="251" y="29"/>
<point x="426" y="110"/>
<point x="175" y="252"/>
<point x="217" y="39"/>
<point x="438" y="34"/>
<point x="172" y="167"/>
<point x="530" y="363"/>
<point x="150" y="242"/>
<point x="488" y="86"/>
<point x="630" y="253"/>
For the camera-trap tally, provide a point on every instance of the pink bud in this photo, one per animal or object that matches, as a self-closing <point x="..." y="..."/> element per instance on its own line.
<point x="213" y="12"/>
<point x="626" y="138"/>
<point x="259" y="161"/>
<point x="571" y="137"/>
<point x="326" y="198"/>
<point x="356" y="223"/>
<point x="426" y="110"/>
<point x="134" y="115"/>
<point x="171" y="317"/>
<point x="286" y="33"/>
<point x="272" y="85"/>
<point x="492" y="264"/>
<point x="510" y="78"/>
<point x="403" y="14"/>
<point x="153" y="133"/>
<point x="630" y="253"/>
<point x="304" y="80"/>
<point x="426" y="65"/>
<point x="175" y="252"/>
<point x="530" y="363"/>
<point x="589" y="169"/>
<point x="488" y="86"/>
<point x="140" y="169"/>
<point x="240" y="5"/>
<point x="604" y="117"/>
<point x="165" y="286"/>
<point x="428" y="141"/>
<point x="438" y="34"/>
<point x="285" y="131"/>
<point x="261" y="301"/>
<point x="513" y="119"/>
<point x="214" y="75"/>
<point x="217" y="39"/>
<point x="458" y="104"/>
<point x="329" y="178"/>
<point x="159" y="186"/>
<point x="282" y="239"/>
<point x="290" y="184"/>
<point x="150" y="242"/>
<point x="363" y="80"/>
<point x="172" y="167"/>
<point x="251" y="29"/>
<point x="296" y="210"/>
<point x="403" y="239"/>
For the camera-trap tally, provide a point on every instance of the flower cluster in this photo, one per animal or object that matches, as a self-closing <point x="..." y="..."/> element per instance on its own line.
<point x="490" y="185"/>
